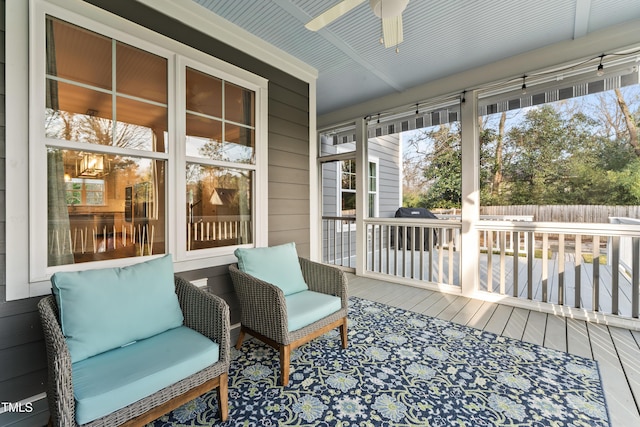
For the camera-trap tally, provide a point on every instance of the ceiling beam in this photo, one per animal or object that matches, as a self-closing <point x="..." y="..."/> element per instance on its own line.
<point x="581" y="24"/>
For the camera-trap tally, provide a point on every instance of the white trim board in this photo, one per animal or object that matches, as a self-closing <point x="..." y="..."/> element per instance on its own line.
<point x="204" y="20"/>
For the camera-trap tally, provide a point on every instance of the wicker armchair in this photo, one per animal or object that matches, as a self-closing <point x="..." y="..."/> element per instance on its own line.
<point x="264" y="310"/>
<point x="203" y="312"/>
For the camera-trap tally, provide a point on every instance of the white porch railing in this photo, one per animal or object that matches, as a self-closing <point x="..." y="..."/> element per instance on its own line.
<point x="417" y="249"/>
<point x="594" y="268"/>
<point x="338" y="241"/>
<point x="568" y="264"/>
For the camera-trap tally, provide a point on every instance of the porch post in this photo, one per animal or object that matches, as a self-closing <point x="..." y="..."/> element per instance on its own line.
<point x="470" y="248"/>
<point x="362" y="193"/>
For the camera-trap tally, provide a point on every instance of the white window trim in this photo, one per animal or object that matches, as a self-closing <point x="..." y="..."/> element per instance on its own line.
<point x="26" y="271"/>
<point x="376" y="191"/>
<point x="352" y="226"/>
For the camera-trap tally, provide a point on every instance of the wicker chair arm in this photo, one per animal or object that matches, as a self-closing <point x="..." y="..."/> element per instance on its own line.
<point x="324" y="278"/>
<point x="205" y="313"/>
<point x="59" y="385"/>
<point x="263" y="306"/>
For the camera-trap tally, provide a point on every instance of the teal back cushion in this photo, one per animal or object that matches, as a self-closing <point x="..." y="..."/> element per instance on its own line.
<point x="107" y="308"/>
<point x="277" y="265"/>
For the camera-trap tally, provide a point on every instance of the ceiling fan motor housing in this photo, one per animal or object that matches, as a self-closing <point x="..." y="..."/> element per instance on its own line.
<point x="388" y="8"/>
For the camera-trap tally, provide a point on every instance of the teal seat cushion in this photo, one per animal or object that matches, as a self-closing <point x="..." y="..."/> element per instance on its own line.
<point x="277" y="265"/>
<point x="110" y="381"/>
<point x="306" y="307"/>
<point x="106" y="308"/>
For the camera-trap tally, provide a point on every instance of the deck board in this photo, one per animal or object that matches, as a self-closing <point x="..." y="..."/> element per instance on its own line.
<point x="578" y="342"/>
<point x="499" y="320"/>
<point x="516" y="324"/>
<point x="556" y="333"/>
<point x="622" y="407"/>
<point x="617" y="350"/>
<point x="535" y="328"/>
<point x="483" y="315"/>
<point x="465" y="315"/>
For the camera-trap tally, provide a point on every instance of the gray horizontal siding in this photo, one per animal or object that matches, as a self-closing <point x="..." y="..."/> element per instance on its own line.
<point x="22" y="353"/>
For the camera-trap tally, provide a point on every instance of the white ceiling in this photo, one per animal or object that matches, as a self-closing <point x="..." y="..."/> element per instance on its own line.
<point x="441" y="38"/>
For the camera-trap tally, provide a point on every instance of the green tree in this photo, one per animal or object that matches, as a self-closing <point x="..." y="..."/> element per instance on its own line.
<point x="443" y="169"/>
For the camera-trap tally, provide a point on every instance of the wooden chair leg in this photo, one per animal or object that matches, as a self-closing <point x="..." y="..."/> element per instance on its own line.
<point x="285" y="355"/>
<point x="240" y="338"/>
<point x="223" y="397"/>
<point x="343" y="333"/>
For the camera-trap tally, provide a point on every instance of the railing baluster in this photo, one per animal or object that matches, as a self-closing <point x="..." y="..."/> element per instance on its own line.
<point x="596" y="273"/>
<point x="615" y="274"/>
<point x="635" y="276"/>
<point x="433" y="245"/>
<point x="451" y="247"/>
<point x="516" y="246"/>
<point x="578" y="272"/>
<point x="561" y="269"/>
<point x="503" y="260"/>
<point x="380" y="245"/>
<point x="489" y="245"/>
<point x="422" y="248"/>
<point x="530" y="258"/>
<point x="441" y="256"/>
<point x="396" y="251"/>
<point x="545" y="267"/>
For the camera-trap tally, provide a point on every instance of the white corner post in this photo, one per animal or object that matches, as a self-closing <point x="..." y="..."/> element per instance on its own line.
<point x="362" y="192"/>
<point x="470" y="247"/>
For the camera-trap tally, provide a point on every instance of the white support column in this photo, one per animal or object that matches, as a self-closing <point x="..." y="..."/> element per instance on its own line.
<point x="315" y="181"/>
<point x="470" y="248"/>
<point x="362" y="192"/>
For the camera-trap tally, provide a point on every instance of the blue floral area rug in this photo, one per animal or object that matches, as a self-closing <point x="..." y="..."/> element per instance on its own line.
<point x="405" y="369"/>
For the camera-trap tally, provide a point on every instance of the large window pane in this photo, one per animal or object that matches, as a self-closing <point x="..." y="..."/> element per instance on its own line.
<point x="141" y="125"/>
<point x="239" y="143"/>
<point x="79" y="98"/>
<point x="339" y="140"/>
<point x="238" y="104"/>
<point x="103" y="206"/>
<point x="213" y="132"/>
<point x="219" y="207"/>
<point x="74" y="113"/>
<point x="204" y="137"/>
<point x="141" y="74"/>
<point x="204" y="93"/>
<point x="76" y="54"/>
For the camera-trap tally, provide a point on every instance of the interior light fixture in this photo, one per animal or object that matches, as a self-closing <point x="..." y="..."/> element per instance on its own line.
<point x="91" y="165"/>
<point x="600" y="70"/>
<point x="417" y="109"/>
<point x="464" y="97"/>
<point x="524" y="85"/>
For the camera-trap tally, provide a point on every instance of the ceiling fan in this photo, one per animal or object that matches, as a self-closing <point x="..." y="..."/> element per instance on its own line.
<point x="389" y="11"/>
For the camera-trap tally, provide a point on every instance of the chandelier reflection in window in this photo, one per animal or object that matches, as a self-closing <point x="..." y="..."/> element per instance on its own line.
<point x="91" y="165"/>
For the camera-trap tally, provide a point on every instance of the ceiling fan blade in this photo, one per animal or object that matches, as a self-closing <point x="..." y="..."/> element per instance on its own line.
<point x="392" y="31"/>
<point x="332" y="14"/>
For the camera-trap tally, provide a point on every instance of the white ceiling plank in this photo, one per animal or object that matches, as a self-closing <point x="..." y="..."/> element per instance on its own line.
<point x="340" y="44"/>
<point x="441" y="38"/>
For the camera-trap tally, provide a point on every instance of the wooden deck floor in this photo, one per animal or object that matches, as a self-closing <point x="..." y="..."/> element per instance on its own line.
<point x="616" y="350"/>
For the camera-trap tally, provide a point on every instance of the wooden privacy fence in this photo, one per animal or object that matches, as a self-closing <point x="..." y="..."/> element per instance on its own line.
<point x="565" y="213"/>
